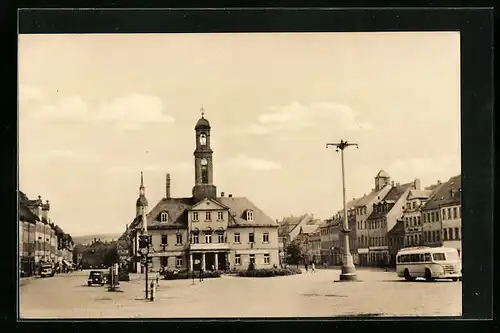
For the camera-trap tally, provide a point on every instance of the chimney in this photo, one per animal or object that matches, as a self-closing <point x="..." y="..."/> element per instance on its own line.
<point x="230" y="195"/>
<point x="439" y="182"/>
<point x="417" y="184"/>
<point x="392" y="183"/>
<point x="45" y="210"/>
<point x="222" y="194"/>
<point x="168" y="186"/>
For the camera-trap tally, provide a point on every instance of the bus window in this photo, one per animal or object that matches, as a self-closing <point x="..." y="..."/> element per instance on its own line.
<point x="427" y="257"/>
<point x="438" y="257"/>
<point x="422" y="259"/>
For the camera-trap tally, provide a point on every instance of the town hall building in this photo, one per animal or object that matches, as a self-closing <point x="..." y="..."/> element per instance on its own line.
<point x="205" y="230"/>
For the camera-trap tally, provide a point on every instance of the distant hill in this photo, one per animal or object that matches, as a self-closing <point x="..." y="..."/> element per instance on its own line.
<point x="87" y="239"/>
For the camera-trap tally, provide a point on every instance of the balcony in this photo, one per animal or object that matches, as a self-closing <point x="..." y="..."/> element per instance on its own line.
<point x="209" y="246"/>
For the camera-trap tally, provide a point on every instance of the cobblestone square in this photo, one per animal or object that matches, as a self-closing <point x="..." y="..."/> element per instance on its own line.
<point x="379" y="293"/>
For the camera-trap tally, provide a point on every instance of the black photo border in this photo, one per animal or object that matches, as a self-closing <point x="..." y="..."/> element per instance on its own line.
<point x="477" y="130"/>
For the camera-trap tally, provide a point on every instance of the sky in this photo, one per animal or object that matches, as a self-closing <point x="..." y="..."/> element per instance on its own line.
<point x="96" y="110"/>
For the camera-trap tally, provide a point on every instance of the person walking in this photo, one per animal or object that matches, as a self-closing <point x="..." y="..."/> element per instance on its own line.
<point x="313" y="267"/>
<point x="306" y="267"/>
<point x="201" y="274"/>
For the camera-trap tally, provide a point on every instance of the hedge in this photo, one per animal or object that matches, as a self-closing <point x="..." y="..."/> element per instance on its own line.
<point x="269" y="272"/>
<point x="189" y="275"/>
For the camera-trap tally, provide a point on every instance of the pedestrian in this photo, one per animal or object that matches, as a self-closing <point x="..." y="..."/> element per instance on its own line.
<point x="305" y="265"/>
<point x="213" y="268"/>
<point x="201" y="274"/>
<point x="313" y="267"/>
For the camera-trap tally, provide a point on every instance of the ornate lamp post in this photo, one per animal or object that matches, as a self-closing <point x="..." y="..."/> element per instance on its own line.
<point x="348" y="272"/>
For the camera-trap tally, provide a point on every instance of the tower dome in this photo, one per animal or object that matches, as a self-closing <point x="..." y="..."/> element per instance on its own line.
<point x="202" y="123"/>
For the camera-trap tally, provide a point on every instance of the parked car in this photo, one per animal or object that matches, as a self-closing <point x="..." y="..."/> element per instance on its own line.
<point x="96" y="277"/>
<point x="47" y="270"/>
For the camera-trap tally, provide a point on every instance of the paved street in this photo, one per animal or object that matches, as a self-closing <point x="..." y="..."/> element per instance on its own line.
<point x="308" y="295"/>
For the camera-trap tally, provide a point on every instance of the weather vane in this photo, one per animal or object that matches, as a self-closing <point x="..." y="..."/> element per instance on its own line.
<point x="202" y="111"/>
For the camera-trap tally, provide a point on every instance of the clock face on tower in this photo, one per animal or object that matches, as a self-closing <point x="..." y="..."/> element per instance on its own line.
<point x="204" y="161"/>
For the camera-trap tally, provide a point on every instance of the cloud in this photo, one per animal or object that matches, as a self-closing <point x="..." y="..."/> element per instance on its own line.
<point x="130" y="112"/>
<point x="30" y="93"/>
<point x="428" y="169"/>
<point x="133" y="112"/>
<point x="245" y="162"/>
<point x="70" y="108"/>
<point x="61" y="155"/>
<point x="296" y="116"/>
<point x="150" y="168"/>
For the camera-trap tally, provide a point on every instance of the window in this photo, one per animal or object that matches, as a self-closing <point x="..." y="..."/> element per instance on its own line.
<point x="203" y="139"/>
<point x="195" y="216"/>
<point x="445" y="234"/>
<point x="249" y="215"/>
<point x="438" y="236"/>
<point x="208" y="216"/>
<point x="164" y="261"/>
<point x="251" y="237"/>
<point x="164" y="217"/>
<point x="237" y="259"/>
<point x="419" y="239"/>
<point x="438" y="257"/>
<point x="266" y="258"/>
<point x="427" y="257"/>
<point x="454" y="212"/>
<point x="208" y="238"/>
<point x="457" y="235"/>
<point x="423" y="218"/>
<point x="408" y="205"/>
<point x="444" y="214"/>
<point x="220" y="216"/>
<point x="164" y="240"/>
<point x="237" y="237"/>
<point x="434" y="236"/>
<point x="178" y="261"/>
<point x="418" y="220"/>
<point x="449" y="213"/>
<point x="196" y="238"/>
<point x="437" y="216"/>
<point x="406" y="222"/>
<point x="413" y="204"/>
<point x="220" y="238"/>
<point x="365" y="224"/>
<point x="252" y="258"/>
<point x="265" y="237"/>
<point x="179" y="239"/>
<point x="450" y="233"/>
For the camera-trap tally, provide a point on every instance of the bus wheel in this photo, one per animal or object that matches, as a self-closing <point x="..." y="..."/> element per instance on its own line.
<point x="407" y="275"/>
<point x="428" y="274"/>
<point x="454" y="279"/>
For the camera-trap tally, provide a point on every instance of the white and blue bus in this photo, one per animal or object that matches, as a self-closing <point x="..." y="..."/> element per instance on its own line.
<point x="429" y="263"/>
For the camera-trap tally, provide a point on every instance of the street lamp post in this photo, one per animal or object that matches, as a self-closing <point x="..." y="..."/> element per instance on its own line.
<point x="348" y="272"/>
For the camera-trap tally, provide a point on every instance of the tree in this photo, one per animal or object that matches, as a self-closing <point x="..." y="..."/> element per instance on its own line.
<point x="111" y="256"/>
<point x="294" y="253"/>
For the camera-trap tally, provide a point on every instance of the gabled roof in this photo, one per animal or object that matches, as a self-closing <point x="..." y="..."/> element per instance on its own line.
<point x="382" y="174"/>
<point x="237" y="207"/>
<point x="177" y="209"/>
<point x="292" y="220"/>
<point x="419" y="194"/>
<point x="366" y="199"/>
<point x="391" y="198"/>
<point x="25" y="214"/>
<point x="398" y="228"/>
<point x="445" y="194"/>
<point x="309" y="228"/>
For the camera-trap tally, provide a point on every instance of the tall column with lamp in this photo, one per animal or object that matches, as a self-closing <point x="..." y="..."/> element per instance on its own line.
<point x="348" y="270"/>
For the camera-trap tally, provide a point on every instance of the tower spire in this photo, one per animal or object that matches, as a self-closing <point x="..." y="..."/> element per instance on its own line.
<point x="141" y="203"/>
<point x="202" y="110"/>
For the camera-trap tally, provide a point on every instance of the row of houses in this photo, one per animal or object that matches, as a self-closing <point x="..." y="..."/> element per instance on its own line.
<point x="392" y="216"/>
<point x="40" y="240"/>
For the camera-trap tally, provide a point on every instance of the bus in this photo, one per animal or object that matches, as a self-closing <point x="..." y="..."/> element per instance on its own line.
<point x="429" y="263"/>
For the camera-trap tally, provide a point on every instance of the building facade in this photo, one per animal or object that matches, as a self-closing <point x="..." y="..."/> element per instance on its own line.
<point x="412" y="217"/>
<point x="205" y="231"/>
<point x="431" y="219"/>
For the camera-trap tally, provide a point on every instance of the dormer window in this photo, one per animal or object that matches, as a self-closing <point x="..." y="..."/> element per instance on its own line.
<point x="164" y="217"/>
<point x="249" y="215"/>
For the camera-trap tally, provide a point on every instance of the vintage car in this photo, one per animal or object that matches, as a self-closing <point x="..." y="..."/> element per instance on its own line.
<point x="47" y="270"/>
<point x="96" y="277"/>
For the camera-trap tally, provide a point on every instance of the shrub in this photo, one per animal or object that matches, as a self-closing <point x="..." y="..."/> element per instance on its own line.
<point x="269" y="272"/>
<point x="184" y="274"/>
